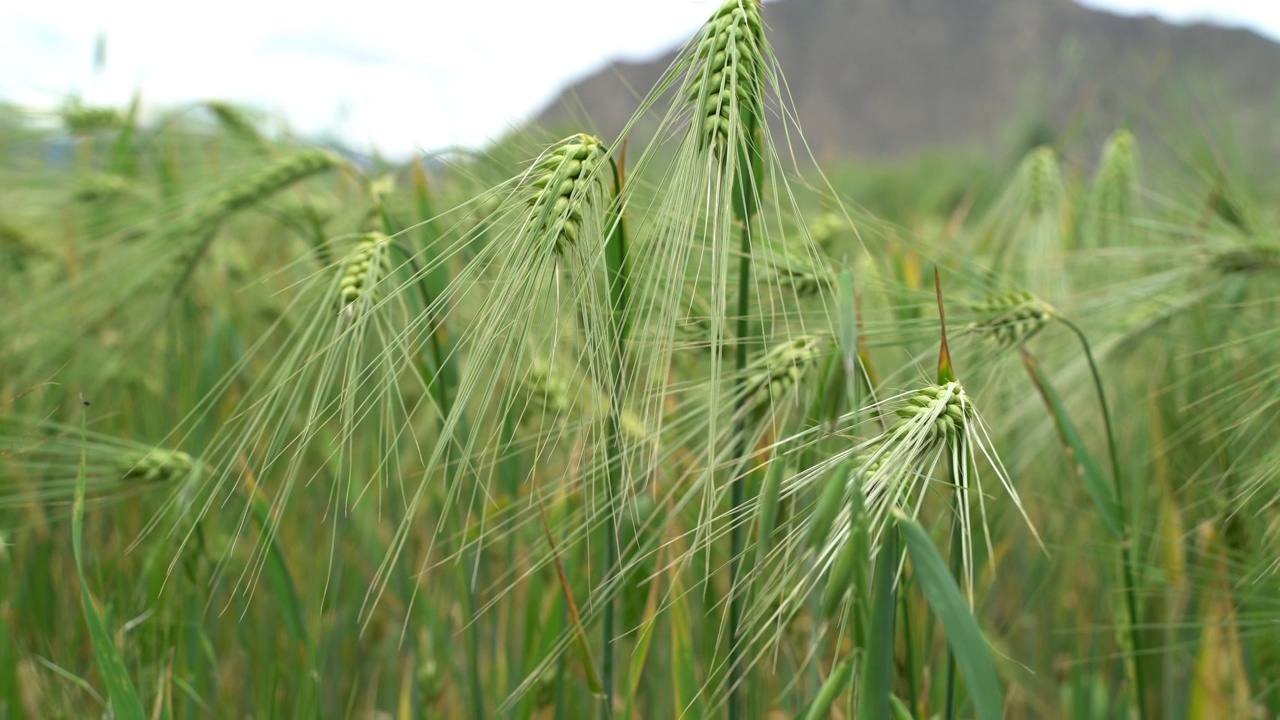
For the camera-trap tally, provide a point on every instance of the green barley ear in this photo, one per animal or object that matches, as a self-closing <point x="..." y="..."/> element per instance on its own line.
<point x="778" y="372"/>
<point x="547" y="391"/>
<point x="828" y="228"/>
<point x="727" y="91"/>
<point x="236" y="123"/>
<point x="936" y="414"/>
<point x="1117" y="174"/>
<point x="155" y="465"/>
<point x="806" y="275"/>
<point x="1044" y="180"/>
<point x="1010" y="319"/>
<point x="86" y="119"/>
<point x="367" y="265"/>
<point x="1109" y="209"/>
<point x="1247" y="258"/>
<point x="568" y="179"/>
<point x="100" y="187"/>
<point x="262" y="184"/>
<point x="257" y="186"/>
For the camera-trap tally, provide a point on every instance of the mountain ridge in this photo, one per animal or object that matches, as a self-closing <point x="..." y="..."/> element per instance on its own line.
<point x="888" y="79"/>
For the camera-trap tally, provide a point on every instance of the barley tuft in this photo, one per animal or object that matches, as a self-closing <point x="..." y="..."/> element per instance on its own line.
<point x="1044" y="180"/>
<point x="547" y="391"/>
<point x="86" y="119"/>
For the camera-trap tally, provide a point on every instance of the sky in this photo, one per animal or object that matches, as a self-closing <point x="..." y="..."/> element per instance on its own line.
<point x="395" y="76"/>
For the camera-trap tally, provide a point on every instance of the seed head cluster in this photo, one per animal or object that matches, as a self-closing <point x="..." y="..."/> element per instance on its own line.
<point x="1250" y="258"/>
<point x="86" y="119"/>
<point x="1043" y="179"/>
<point x="368" y="263"/>
<point x="806" y="276"/>
<point x="263" y="183"/>
<point x="547" y="391"/>
<point x="564" y="179"/>
<point x="156" y="465"/>
<point x="1012" y="318"/>
<point x="780" y="369"/>
<point x="937" y="414"/>
<point x="730" y="64"/>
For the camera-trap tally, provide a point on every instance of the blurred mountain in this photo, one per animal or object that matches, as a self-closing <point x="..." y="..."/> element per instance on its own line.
<point x="884" y="79"/>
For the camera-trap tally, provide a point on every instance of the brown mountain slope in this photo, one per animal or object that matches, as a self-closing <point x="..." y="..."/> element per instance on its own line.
<point x="888" y="78"/>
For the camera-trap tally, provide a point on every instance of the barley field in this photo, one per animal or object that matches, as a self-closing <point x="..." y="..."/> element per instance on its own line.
<point x="679" y="425"/>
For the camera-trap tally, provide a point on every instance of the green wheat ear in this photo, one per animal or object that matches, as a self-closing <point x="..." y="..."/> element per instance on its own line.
<point x="1011" y="318"/>
<point x="806" y="274"/>
<point x="565" y="178"/>
<point x="1044" y="180"/>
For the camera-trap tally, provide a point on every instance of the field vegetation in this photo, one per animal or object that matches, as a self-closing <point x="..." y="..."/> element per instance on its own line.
<point x="674" y="426"/>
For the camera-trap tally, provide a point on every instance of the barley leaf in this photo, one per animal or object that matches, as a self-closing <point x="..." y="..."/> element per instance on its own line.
<point x="831" y="689"/>
<point x="877" y="669"/>
<point x="684" y="668"/>
<point x="963" y="634"/>
<point x="643" y="643"/>
<point x="284" y="590"/>
<point x="580" y="640"/>
<point x="1095" y="480"/>
<point x="124" y="698"/>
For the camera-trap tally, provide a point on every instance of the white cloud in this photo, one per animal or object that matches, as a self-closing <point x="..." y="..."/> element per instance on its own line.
<point x="397" y="75"/>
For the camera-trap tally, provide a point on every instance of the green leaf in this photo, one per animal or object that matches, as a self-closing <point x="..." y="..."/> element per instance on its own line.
<point x="580" y="640"/>
<point x="686" y="687"/>
<point x="967" y="642"/>
<point x="831" y="689"/>
<point x="283" y="590"/>
<point x="124" y="698"/>
<point x="946" y="373"/>
<point x="1095" y="480"/>
<point x="877" y="671"/>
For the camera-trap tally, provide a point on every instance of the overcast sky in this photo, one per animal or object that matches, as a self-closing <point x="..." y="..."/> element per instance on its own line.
<point x="397" y="75"/>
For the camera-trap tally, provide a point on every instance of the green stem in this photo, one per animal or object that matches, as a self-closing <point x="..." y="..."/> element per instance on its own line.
<point x="442" y="371"/>
<point x="957" y="569"/>
<point x="737" y="531"/>
<point x="912" y="694"/>
<point x="616" y="261"/>
<point x="1126" y="550"/>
